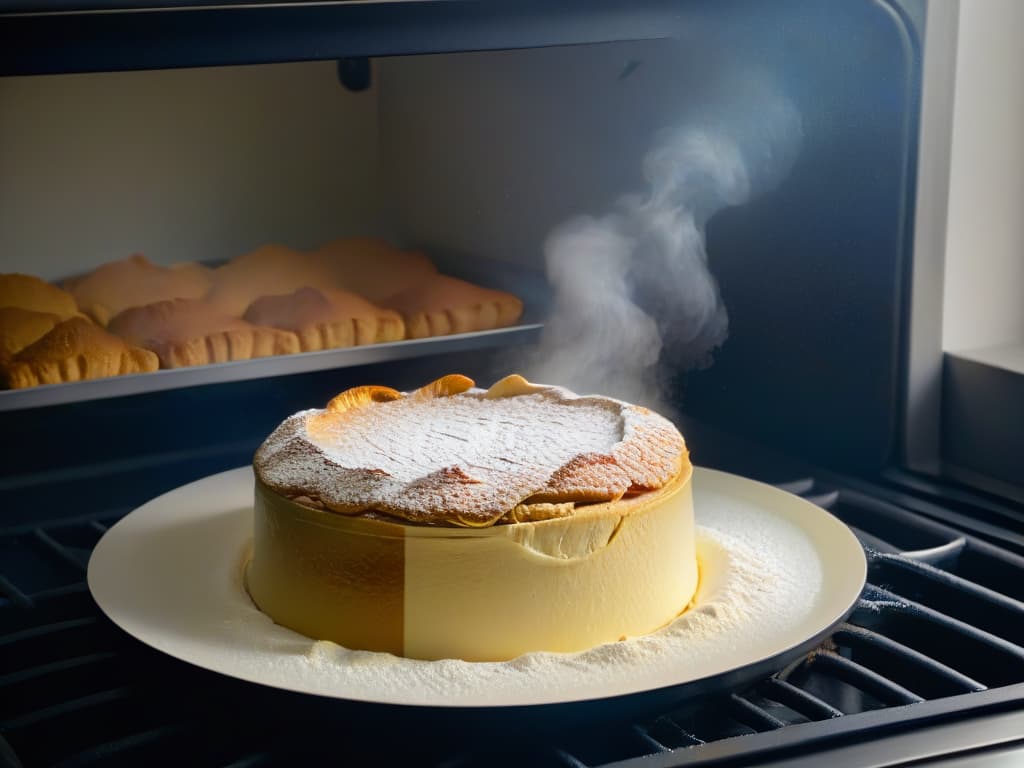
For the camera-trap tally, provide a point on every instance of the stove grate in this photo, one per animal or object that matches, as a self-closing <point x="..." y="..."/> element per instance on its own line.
<point x="939" y="631"/>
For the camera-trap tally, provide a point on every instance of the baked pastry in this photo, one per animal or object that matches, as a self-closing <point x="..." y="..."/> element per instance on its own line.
<point x="31" y="292"/>
<point x="268" y="271"/>
<point x="75" y="350"/>
<point x="135" y="282"/>
<point x="20" y="327"/>
<point x="184" y="332"/>
<point x="371" y="267"/>
<point x="325" y="318"/>
<point x="453" y="522"/>
<point x="441" y="305"/>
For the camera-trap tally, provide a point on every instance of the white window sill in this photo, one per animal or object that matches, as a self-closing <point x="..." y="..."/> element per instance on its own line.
<point x="983" y="418"/>
<point x="1008" y="358"/>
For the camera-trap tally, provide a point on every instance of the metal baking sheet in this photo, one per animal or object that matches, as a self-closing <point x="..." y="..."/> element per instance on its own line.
<point x="279" y="365"/>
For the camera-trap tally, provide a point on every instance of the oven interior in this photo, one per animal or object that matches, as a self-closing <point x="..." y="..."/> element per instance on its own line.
<point x="475" y="149"/>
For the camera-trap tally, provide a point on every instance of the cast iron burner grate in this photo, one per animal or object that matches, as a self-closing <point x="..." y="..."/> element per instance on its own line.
<point x="938" y="634"/>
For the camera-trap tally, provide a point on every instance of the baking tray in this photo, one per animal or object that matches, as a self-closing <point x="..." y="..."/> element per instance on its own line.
<point x="529" y="285"/>
<point x="279" y="365"/>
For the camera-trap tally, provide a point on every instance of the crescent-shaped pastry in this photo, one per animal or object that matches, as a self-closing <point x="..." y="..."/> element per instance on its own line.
<point x="20" y="327"/>
<point x="135" y="282"/>
<point x="31" y="292"/>
<point x="185" y="332"/>
<point x="372" y="267"/>
<point x="75" y="350"/>
<point x="327" y="318"/>
<point x="441" y="305"/>
<point x="267" y="271"/>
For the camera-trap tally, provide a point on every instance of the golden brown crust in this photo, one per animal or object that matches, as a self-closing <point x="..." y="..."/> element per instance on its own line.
<point x="31" y="292"/>
<point x="355" y="290"/>
<point x="589" y="478"/>
<point x="21" y="327"/>
<point x="452" y="384"/>
<point x="76" y="350"/>
<point x="489" y="476"/>
<point x="360" y="396"/>
<point x="371" y="267"/>
<point x="443" y="305"/>
<point x="650" y="451"/>
<point x="346" y="401"/>
<point x="513" y="385"/>
<point x="327" y="318"/>
<point x="135" y="282"/>
<point x="270" y="270"/>
<point x="186" y="332"/>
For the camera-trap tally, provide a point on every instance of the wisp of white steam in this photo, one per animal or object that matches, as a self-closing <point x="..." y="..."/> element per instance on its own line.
<point x="633" y="287"/>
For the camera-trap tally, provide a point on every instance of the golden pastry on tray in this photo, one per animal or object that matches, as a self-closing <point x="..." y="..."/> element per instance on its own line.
<point x="327" y="318"/>
<point x="75" y="350"/>
<point x="441" y="305"/>
<point x="457" y="522"/>
<point x="371" y="267"/>
<point x="34" y="293"/>
<point x="185" y="332"/>
<point x="135" y="282"/>
<point x="267" y="271"/>
<point x="20" y="327"/>
<point x="271" y="301"/>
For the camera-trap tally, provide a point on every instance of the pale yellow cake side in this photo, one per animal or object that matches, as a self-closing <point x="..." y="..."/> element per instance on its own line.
<point x="607" y="572"/>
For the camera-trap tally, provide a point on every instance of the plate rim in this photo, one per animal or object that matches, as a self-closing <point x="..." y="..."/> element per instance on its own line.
<point x="682" y="689"/>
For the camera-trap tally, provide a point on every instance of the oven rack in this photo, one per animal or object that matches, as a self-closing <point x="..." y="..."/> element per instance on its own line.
<point x="264" y="367"/>
<point x="528" y="285"/>
<point x="938" y="634"/>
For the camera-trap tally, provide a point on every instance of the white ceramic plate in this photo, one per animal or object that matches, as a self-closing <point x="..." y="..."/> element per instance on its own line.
<point x="777" y="573"/>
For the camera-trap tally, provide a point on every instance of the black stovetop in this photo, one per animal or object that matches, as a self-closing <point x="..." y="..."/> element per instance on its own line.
<point x="937" y="637"/>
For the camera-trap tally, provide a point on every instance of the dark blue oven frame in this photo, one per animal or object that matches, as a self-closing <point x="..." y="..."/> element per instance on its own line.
<point x="816" y="276"/>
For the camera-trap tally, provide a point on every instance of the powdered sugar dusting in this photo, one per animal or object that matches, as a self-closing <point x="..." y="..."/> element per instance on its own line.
<point x="469" y="459"/>
<point x="760" y="576"/>
<point x="408" y="440"/>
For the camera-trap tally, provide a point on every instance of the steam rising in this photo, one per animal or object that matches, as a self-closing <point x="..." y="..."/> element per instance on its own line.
<point x="632" y="288"/>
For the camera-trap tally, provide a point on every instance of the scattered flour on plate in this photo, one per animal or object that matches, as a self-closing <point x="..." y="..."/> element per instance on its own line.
<point x="760" y="576"/>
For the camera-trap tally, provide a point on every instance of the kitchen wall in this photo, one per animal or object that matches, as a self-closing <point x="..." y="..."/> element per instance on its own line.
<point x="181" y="164"/>
<point x="984" y="280"/>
